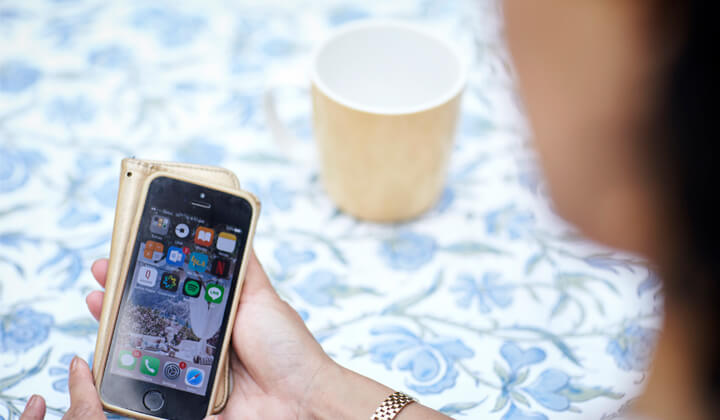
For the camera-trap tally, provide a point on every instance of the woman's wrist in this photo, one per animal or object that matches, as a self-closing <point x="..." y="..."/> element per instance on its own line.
<point x="339" y="393"/>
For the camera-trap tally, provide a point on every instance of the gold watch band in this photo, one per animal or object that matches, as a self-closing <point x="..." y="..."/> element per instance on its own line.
<point x="392" y="405"/>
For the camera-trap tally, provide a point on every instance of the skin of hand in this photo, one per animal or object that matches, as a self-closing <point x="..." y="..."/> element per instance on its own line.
<point x="284" y="373"/>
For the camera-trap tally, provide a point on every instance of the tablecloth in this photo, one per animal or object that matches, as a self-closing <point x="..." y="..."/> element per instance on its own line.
<point x="486" y="307"/>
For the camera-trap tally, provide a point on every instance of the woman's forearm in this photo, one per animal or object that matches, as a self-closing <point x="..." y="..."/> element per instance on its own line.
<point x="341" y="394"/>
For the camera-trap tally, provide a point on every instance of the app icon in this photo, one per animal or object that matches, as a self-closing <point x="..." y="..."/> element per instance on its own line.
<point x="126" y="360"/>
<point x="175" y="256"/>
<point x="204" y="236"/>
<point x="171" y="370"/>
<point x="198" y="261"/>
<point x="194" y="377"/>
<point x="169" y="282"/>
<point x="191" y="288"/>
<point x="220" y="267"/>
<point x="149" y="365"/>
<point x="182" y="230"/>
<point x="226" y="242"/>
<point x="147" y="276"/>
<point x="159" y="224"/>
<point x="214" y="293"/>
<point x="153" y="250"/>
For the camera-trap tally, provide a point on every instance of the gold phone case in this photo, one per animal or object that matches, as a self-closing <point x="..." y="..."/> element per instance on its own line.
<point x="135" y="176"/>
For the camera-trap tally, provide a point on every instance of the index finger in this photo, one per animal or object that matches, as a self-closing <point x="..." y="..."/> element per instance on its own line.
<point x="99" y="270"/>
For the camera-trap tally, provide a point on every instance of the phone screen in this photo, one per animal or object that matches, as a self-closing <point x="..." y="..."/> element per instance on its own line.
<point x="175" y="303"/>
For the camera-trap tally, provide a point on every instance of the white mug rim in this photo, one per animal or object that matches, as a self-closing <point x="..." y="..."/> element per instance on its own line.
<point x="454" y="91"/>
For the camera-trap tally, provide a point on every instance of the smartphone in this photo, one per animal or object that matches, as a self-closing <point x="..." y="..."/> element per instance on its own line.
<point x="177" y="306"/>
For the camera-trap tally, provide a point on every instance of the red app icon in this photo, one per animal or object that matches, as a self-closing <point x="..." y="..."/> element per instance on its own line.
<point x="204" y="236"/>
<point x="220" y="267"/>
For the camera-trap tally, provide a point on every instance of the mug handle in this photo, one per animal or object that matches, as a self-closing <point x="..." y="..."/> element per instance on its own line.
<point x="284" y="139"/>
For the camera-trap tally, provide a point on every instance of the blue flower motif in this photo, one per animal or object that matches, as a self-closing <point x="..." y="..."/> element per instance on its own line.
<point x="171" y="27"/>
<point x="278" y="47"/>
<point x="243" y="105"/>
<point x="346" y="13"/>
<point x="106" y="193"/>
<point x="633" y="347"/>
<point x="16" y="166"/>
<point x="548" y="387"/>
<point x="518" y="358"/>
<point x="288" y="257"/>
<point x="77" y="110"/>
<point x="408" y="250"/>
<point x="553" y="388"/>
<point x="23" y="329"/>
<point x="431" y="363"/>
<point x="510" y="220"/>
<point x="322" y="287"/>
<point x="7" y="15"/>
<point x="276" y="196"/>
<point x="474" y="125"/>
<point x="487" y="291"/>
<point x="514" y="413"/>
<point x="16" y="76"/>
<point x="111" y="56"/>
<point x="76" y="216"/>
<point x="201" y="151"/>
<point x="445" y="201"/>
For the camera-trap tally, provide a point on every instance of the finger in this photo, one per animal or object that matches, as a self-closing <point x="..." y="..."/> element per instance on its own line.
<point x="84" y="399"/>
<point x="94" y="303"/>
<point x="255" y="278"/>
<point x="35" y="409"/>
<point x="99" y="270"/>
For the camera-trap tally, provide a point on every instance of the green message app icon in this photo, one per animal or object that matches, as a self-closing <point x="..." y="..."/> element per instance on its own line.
<point x="191" y="288"/>
<point x="149" y="365"/>
<point x="214" y="293"/>
<point x="126" y="360"/>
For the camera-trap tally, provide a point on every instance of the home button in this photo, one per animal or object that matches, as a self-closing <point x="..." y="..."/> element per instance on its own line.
<point x="153" y="400"/>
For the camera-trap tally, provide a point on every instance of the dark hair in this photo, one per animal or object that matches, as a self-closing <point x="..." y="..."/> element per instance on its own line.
<point x="690" y="173"/>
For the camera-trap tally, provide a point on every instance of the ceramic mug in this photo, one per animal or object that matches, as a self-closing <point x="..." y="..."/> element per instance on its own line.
<point x="386" y="98"/>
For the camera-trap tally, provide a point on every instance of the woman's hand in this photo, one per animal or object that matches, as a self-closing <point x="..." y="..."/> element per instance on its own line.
<point x="279" y="370"/>
<point x="84" y="400"/>
<point x="276" y="364"/>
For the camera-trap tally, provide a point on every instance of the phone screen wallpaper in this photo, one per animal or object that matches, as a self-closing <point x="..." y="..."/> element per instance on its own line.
<point x="168" y="330"/>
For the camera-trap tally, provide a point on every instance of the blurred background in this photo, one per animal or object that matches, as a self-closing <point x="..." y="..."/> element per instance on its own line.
<point x="487" y="306"/>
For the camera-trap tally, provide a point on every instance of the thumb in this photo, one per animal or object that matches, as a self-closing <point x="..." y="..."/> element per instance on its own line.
<point x="35" y="409"/>
<point x="84" y="399"/>
<point x="256" y="280"/>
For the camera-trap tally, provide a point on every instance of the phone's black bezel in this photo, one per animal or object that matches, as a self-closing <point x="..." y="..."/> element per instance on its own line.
<point x="177" y="196"/>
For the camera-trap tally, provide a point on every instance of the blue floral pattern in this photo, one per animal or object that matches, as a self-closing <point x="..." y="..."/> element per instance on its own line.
<point x="408" y="250"/>
<point x="431" y="363"/>
<point x="632" y="348"/>
<point x="23" y="329"/>
<point x="17" y="76"/>
<point x="484" y="307"/>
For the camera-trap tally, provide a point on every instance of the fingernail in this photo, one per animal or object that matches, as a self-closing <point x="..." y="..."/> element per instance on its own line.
<point x="32" y="402"/>
<point x="73" y="364"/>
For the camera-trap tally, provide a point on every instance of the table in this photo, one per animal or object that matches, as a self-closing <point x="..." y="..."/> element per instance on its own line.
<point x="486" y="307"/>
